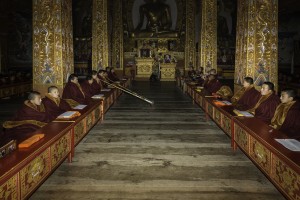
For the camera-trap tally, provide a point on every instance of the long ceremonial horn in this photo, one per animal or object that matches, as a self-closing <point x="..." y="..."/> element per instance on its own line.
<point x="129" y="92"/>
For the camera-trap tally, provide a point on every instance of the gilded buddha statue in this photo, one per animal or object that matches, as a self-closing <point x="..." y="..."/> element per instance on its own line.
<point x="159" y="20"/>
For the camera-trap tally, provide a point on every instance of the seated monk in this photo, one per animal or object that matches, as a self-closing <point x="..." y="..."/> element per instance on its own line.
<point x="205" y="76"/>
<point x="213" y="84"/>
<point x="200" y="76"/>
<point x="286" y="117"/>
<point x="54" y="105"/>
<point x="107" y="69"/>
<point x="29" y="118"/>
<point x="96" y="85"/>
<point x="87" y="87"/>
<point x="191" y="73"/>
<point x="224" y="92"/>
<point x="73" y="93"/>
<point x="247" y="97"/>
<point x="102" y="78"/>
<point x="265" y="108"/>
<point x="112" y="75"/>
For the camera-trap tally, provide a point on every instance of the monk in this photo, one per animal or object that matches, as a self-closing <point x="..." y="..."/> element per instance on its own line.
<point x="205" y="77"/>
<point x="102" y="78"/>
<point x="246" y="97"/>
<point x="112" y="75"/>
<point x="96" y="85"/>
<point x="200" y="76"/>
<point x="73" y="93"/>
<point x="29" y="118"/>
<point x="265" y="108"/>
<point x="213" y="84"/>
<point x="213" y="71"/>
<point x="54" y="105"/>
<point x="87" y="87"/>
<point x="286" y="117"/>
<point x="191" y="73"/>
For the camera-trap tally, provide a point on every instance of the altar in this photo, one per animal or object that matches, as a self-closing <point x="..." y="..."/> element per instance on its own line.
<point x="155" y="56"/>
<point x="167" y="71"/>
<point x="144" y="67"/>
<point x="155" y="39"/>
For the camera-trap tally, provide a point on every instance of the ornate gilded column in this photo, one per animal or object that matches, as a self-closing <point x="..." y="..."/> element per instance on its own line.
<point x="190" y="46"/>
<point x="52" y="43"/>
<point x="117" y="48"/>
<point x="100" y="34"/>
<point x="257" y="41"/>
<point x="208" y="35"/>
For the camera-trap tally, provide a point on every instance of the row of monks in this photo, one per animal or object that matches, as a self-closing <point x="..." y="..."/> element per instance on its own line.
<point x="36" y="111"/>
<point x="281" y="113"/>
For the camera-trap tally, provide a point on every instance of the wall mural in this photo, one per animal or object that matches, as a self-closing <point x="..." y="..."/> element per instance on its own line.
<point x="20" y="40"/>
<point x="82" y="27"/>
<point x="227" y="11"/>
<point x="286" y="47"/>
<point x="82" y="18"/>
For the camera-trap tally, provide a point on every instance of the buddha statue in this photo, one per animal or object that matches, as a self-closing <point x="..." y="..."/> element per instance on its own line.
<point x="159" y="20"/>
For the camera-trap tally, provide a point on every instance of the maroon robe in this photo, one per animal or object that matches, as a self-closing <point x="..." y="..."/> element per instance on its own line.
<point x="291" y="124"/>
<point x="213" y="86"/>
<point x="191" y="73"/>
<point x="55" y="107"/>
<point x="113" y="76"/>
<point x="96" y="87"/>
<point x="265" y="111"/>
<point x="87" y="89"/>
<point x="248" y="99"/>
<point x="74" y="92"/>
<point x="102" y="79"/>
<point x="200" y="80"/>
<point x="27" y="112"/>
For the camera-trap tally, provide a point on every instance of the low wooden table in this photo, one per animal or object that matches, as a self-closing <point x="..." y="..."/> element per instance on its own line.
<point x="280" y="165"/>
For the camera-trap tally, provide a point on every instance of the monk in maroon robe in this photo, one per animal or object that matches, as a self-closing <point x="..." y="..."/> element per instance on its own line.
<point x="112" y="75"/>
<point x="213" y="84"/>
<point x="286" y="117"/>
<point x="54" y="105"/>
<point x="191" y="73"/>
<point x="247" y="97"/>
<point x="267" y="103"/>
<point x="73" y="92"/>
<point x="102" y="78"/>
<point x="29" y="118"/>
<point x="87" y="87"/>
<point x="96" y="85"/>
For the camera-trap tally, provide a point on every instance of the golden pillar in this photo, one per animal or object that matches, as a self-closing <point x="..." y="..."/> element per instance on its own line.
<point x="100" y="46"/>
<point x="52" y="43"/>
<point x="208" y="35"/>
<point x="117" y="48"/>
<point x="190" y="47"/>
<point x="257" y="41"/>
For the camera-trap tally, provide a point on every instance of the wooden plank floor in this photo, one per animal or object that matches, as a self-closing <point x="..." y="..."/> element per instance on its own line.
<point x="167" y="151"/>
